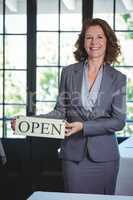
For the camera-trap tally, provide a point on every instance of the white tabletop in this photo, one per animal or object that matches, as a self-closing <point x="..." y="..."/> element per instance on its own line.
<point x="126" y="148"/>
<point x="124" y="184"/>
<point x="74" y="196"/>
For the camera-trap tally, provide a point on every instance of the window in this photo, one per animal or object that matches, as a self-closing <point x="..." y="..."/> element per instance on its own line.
<point x="55" y="45"/>
<point x="36" y="42"/>
<point x="12" y="63"/>
<point x="119" y="14"/>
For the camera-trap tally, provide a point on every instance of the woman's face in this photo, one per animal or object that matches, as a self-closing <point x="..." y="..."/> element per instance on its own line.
<point x="95" y="42"/>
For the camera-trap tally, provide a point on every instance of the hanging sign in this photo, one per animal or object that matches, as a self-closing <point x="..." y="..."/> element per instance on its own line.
<point x="40" y="127"/>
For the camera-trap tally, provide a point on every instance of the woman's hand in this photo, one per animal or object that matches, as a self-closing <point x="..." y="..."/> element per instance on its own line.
<point x="72" y="128"/>
<point x="13" y="123"/>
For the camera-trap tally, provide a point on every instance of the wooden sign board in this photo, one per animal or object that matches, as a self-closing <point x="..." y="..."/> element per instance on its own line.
<point x="40" y="127"/>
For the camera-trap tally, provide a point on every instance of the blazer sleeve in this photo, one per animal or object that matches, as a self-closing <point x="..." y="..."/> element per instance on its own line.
<point x="59" y="111"/>
<point x="108" y="125"/>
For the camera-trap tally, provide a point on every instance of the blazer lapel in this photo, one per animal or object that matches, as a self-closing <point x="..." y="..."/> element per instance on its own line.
<point x="77" y="85"/>
<point x="78" y="77"/>
<point x="106" y="83"/>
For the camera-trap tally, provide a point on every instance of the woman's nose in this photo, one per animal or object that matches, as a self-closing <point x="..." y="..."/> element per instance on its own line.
<point x="94" y="40"/>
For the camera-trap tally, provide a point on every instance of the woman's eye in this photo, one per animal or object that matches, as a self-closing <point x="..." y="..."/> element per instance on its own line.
<point x="88" y="38"/>
<point x="100" y="37"/>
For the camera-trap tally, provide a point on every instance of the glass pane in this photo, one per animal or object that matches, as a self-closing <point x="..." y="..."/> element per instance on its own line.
<point x="124" y="17"/>
<point x="1" y="52"/>
<point x="15" y="87"/>
<point x="104" y="10"/>
<point x="126" y="42"/>
<point x="47" y="48"/>
<point x="44" y="107"/>
<point x="15" y="52"/>
<point x="127" y="131"/>
<point x="1" y="111"/>
<point x="15" y="18"/>
<point x="130" y="90"/>
<point x="71" y="11"/>
<point x="67" y="47"/>
<point x="1" y="128"/>
<point x="1" y="86"/>
<point x="47" y="15"/>
<point x="47" y="83"/>
<point x="130" y="110"/>
<point x="14" y="110"/>
<point x="128" y="72"/>
<point x="1" y="16"/>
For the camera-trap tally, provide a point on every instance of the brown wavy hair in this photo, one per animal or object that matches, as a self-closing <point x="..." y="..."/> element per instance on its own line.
<point x="112" y="49"/>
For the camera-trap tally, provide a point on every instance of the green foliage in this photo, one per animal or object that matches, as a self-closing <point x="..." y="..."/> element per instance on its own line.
<point x="127" y="131"/>
<point x="130" y="90"/>
<point x="129" y="21"/>
<point x="48" y="84"/>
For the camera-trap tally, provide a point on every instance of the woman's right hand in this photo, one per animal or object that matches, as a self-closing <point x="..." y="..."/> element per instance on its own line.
<point x="13" y="123"/>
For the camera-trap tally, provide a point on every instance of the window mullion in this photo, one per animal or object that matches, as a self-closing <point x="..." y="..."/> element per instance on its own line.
<point x="31" y="57"/>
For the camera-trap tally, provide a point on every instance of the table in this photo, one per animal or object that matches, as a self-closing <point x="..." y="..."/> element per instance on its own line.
<point x="124" y="184"/>
<point x="74" y="196"/>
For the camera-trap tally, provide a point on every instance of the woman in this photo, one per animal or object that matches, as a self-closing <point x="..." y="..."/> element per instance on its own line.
<point x="92" y="100"/>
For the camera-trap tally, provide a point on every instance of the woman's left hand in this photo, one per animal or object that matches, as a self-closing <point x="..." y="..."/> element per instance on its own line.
<point x="72" y="128"/>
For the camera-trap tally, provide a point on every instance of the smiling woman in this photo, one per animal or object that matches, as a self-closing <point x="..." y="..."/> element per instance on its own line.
<point x="95" y="46"/>
<point x="91" y="153"/>
<point x="92" y="101"/>
<point x="95" y="42"/>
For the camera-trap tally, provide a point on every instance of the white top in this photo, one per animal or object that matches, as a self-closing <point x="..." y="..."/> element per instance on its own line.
<point x="89" y="98"/>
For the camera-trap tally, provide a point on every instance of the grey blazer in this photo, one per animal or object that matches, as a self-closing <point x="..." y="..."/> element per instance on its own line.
<point x="107" y="117"/>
